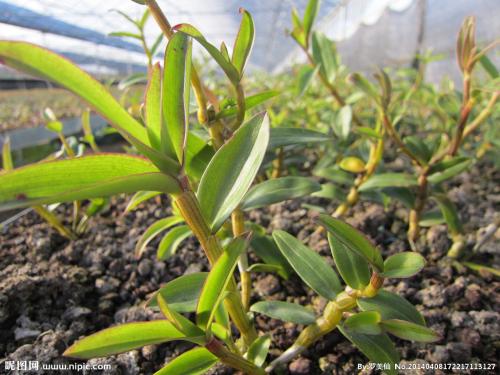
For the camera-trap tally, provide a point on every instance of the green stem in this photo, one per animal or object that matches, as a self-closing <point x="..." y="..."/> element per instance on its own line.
<point x="232" y="359"/>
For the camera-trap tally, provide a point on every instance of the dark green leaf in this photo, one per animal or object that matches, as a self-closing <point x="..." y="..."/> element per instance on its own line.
<point x="418" y="147"/>
<point x="431" y="218"/>
<point x="353" y="240"/>
<point x="306" y="75"/>
<point x="266" y="249"/>
<point x="449" y="212"/>
<point x="409" y="331"/>
<point x="286" y="311"/>
<point x="404" y="195"/>
<point x="182" y="293"/>
<point x="488" y="66"/>
<point x="171" y="241"/>
<point x="365" y="322"/>
<point x="324" y="54"/>
<point x="384" y="180"/>
<point x="309" y="265"/>
<point x="196" y="361"/>
<point x="401" y="265"/>
<point x="452" y="171"/>
<point x="295" y="136"/>
<point x="232" y="170"/>
<point x="330" y="191"/>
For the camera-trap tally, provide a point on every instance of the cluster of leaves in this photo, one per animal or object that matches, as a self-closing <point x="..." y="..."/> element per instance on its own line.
<point x="220" y="164"/>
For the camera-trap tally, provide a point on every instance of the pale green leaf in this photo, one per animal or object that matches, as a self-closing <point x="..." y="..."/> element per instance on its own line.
<point x="244" y="41"/>
<point x="365" y="322"/>
<point x="196" y="361"/>
<point x="409" y="331"/>
<point x="171" y="241"/>
<point x="286" y="311"/>
<point x="402" y="265"/>
<point x="257" y="352"/>
<point x="153" y="230"/>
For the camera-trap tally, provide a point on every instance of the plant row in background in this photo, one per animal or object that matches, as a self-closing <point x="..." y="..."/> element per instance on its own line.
<point x="224" y="161"/>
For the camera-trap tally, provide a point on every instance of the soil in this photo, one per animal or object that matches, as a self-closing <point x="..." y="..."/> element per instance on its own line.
<point x="53" y="291"/>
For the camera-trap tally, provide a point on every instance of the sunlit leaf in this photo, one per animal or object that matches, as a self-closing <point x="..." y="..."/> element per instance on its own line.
<point x="153" y="230"/>
<point x="401" y="265"/>
<point x="139" y="198"/>
<point x="310" y="15"/>
<point x="251" y="101"/>
<point x="195" y="333"/>
<point x="352" y="164"/>
<point x="244" y="41"/>
<point x="196" y="361"/>
<point x="7" y="163"/>
<point x="453" y="170"/>
<point x="365" y="322"/>
<point x="152" y="108"/>
<point x="257" y="352"/>
<point x="171" y="241"/>
<point x="409" y="331"/>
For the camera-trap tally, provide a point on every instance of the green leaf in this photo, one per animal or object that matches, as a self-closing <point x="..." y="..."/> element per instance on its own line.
<point x="250" y="102"/>
<point x="86" y="177"/>
<point x="384" y="180"/>
<point x="286" y="311"/>
<point x="342" y="125"/>
<point x="481" y="268"/>
<point x="409" y="331"/>
<point x="365" y="322"/>
<point x="309" y="15"/>
<point x="295" y="136"/>
<point x="305" y="78"/>
<point x="324" y="54"/>
<point x="232" y="170"/>
<point x="152" y="108"/>
<point x="7" y="162"/>
<point x="369" y="132"/>
<point x="144" y="18"/>
<point x="378" y="348"/>
<point x="132" y="79"/>
<point x="175" y="94"/>
<point x="170" y="242"/>
<point x="452" y="171"/>
<point x="156" y="44"/>
<point x="228" y="68"/>
<point x="244" y="41"/>
<point x="257" y="352"/>
<point x="55" y="126"/>
<point x="431" y="218"/>
<point x="364" y="85"/>
<point x="353" y="240"/>
<point x="196" y="361"/>
<point x="330" y="191"/>
<point x="266" y="249"/>
<point x="195" y="333"/>
<point x="138" y="198"/>
<point x="445" y="164"/>
<point x="125" y="34"/>
<point x="123" y="338"/>
<point x="418" y="147"/>
<point x="449" y="212"/>
<point x="217" y="281"/>
<point x="309" y="265"/>
<point x="182" y="293"/>
<point x="488" y="66"/>
<point x="153" y="230"/>
<point x="278" y="190"/>
<point x="267" y="268"/>
<point x="335" y="174"/>
<point x="391" y="306"/>
<point x="404" y="195"/>
<point x="41" y="62"/>
<point x="402" y="265"/>
<point x="352" y="267"/>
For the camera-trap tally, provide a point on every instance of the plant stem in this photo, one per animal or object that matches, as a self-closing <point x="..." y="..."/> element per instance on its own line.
<point x="54" y="222"/>
<point x="332" y="315"/>
<point x="483" y="115"/>
<point x="278" y="163"/>
<point x="232" y="359"/>
<point x="238" y="226"/>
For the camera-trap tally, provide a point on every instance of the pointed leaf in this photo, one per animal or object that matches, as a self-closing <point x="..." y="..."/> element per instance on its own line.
<point x="86" y="177"/>
<point x="175" y="93"/>
<point x="352" y="267"/>
<point x="153" y="230"/>
<point x="170" y="242"/>
<point x="409" y="331"/>
<point x="278" y="190"/>
<point x="138" y="198"/>
<point x="449" y="212"/>
<point x="125" y="34"/>
<point x="452" y="171"/>
<point x="353" y="240"/>
<point x="305" y="78"/>
<point x="365" y="322"/>
<point x="183" y="324"/>
<point x="403" y="265"/>
<point x="309" y="265"/>
<point x="123" y="338"/>
<point x="286" y="311"/>
<point x="182" y="293"/>
<point x="391" y="306"/>
<point x="250" y="102"/>
<point x="257" y="352"/>
<point x="196" y="361"/>
<point x="295" y="136"/>
<point x="232" y="170"/>
<point x="152" y="108"/>
<point x="431" y="218"/>
<point x="215" y="286"/>
<point x="383" y="180"/>
<point x="244" y="41"/>
<point x="266" y="249"/>
<point x="309" y="16"/>
<point x="324" y="54"/>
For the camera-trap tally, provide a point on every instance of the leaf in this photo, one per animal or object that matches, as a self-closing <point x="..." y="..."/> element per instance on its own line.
<point x="402" y="265"/>
<point x="294" y="136"/>
<point x="488" y="66"/>
<point x="309" y="265"/>
<point x="418" y="148"/>
<point x="352" y="267"/>
<point x="153" y="230"/>
<point x="364" y="85"/>
<point x="384" y="180"/>
<point x="431" y="218"/>
<point x="306" y="75"/>
<point x="267" y="268"/>
<point x="353" y="240"/>
<point x="378" y="348"/>
<point x="324" y="54"/>
<point x="278" y="190"/>
<point x="244" y="41"/>
<point x="445" y="164"/>
<point x="409" y="331"/>
<point x="175" y="93"/>
<point x="369" y="132"/>
<point x="132" y="79"/>
<point x="170" y="242"/>
<point x="391" y="306"/>
<point x="152" y="108"/>
<point x="309" y="16"/>
<point x="228" y="68"/>
<point x="365" y="322"/>
<point x="250" y="102"/>
<point x="452" y="171"/>
<point x="182" y="293"/>
<point x="217" y="281"/>
<point x="232" y="170"/>
<point x="352" y="164"/>
<point x="196" y="361"/>
<point x="125" y="34"/>
<point x="138" y="198"/>
<point x="330" y="191"/>
<point x="286" y="311"/>
<point x="343" y="122"/>
<point x="335" y="174"/>
<point x="404" y="195"/>
<point x="123" y="338"/>
<point x="257" y="352"/>
<point x="86" y="177"/>
<point x="39" y="61"/>
<point x="481" y="268"/>
<point x="7" y="162"/>
<point x="183" y="324"/>
<point x="266" y="249"/>
<point x="449" y="212"/>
